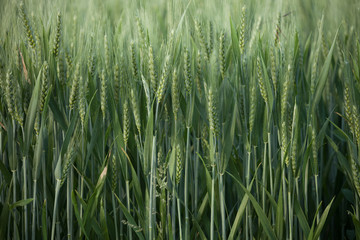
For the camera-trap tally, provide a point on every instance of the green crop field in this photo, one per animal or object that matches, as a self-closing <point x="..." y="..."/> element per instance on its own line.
<point x="170" y="119"/>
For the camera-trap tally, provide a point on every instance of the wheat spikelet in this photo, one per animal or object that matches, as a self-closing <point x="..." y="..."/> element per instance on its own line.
<point x="26" y="25"/>
<point x="82" y="100"/>
<point x="347" y="107"/>
<point x="126" y="122"/>
<point x="69" y="64"/>
<point x="284" y="111"/>
<point x="201" y="37"/>
<point x="198" y="76"/>
<point x="314" y="72"/>
<point x="68" y="161"/>
<point x="60" y="69"/>
<point x="179" y="163"/>
<point x="74" y="88"/>
<point x="294" y="153"/>
<point x="162" y="85"/>
<point x="161" y="170"/>
<point x="166" y="113"/>
<point x="322" y="36"/>
<point x="136" y="110"/>
<point x="133" y="60"/>
<point x="242" y="31"/>
<point x="295" y="136"/>
<point x="314" y="150"/>
<point x="355" y="175"/>
<point x="141" y="33"/>
<point x="212" y="112"/>
<point x="211" y="37"/>
<point x="356" y="121"/>
<point x="153" y="76"/>
<point x="107" y="54"/>
<point x="284" y="140"/>
<point x="12" y="96"/>
<point x="187" y="71"/>
<point x="116" y="83"/>
<point x="273" y="69"/>
<point x="242" y="104"/>
<point x="261" y="80"/>
<point x="114" y="173"/>
<point x="37" y="123"/>
<point x="103" y="93"/>
<point x="277" y="31"/>
<point x="44" y="85"/>
<point x="170" y="43"/>
<point x="204" y="137"/>
<point x="175" y="94"/>
<point x="253" y="100"/>
<point x="123" y="75"/>
<point x="57" y="35"/>
<point x="38" y="51"/>
<point x="9" y="92"/>
<point x="91" y="65"/>
<point x="222" y="54"/>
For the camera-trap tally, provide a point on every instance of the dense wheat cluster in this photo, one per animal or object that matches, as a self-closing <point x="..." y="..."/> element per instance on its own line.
<point x="179" y="119"/>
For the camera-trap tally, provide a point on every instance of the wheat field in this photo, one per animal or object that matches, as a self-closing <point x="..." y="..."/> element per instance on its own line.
<point x="196" y="119"/>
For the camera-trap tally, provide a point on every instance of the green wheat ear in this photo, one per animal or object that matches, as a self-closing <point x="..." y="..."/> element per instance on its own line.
<point x="141" y="33"/>
<point x="107" y="54"/>
<point x="277" y="31"/>
<point x="161" y="170"/>
<point x="74" y="87"/>
<point x="211" y="37"/>
<point x="116" y="83"/>
<point x="82" y="100"/>
<point x="347" y="107"/>
<point x="242" y="31"/>
<point x="91" y="65"/>
<point x="179" y="163"/>
<point x="126" y="122"/>
<point x="136" y="110"/>
<point x="273" y="69"/>
<point x="152" y="72"/>
<point x="253" y="100"/>
<point x="187" y="71"/>
<point x="27" y="27"/>
<point x="201" y="37"/>
<point x="222" y="54"/>
<point x="314" y="150"/>
<point x="103" y="93"/>
<point x="356" y="121"/>
<point x="261" y="80"/>
<point x="198" y="76"/>
<point x="162" y="85"/>
<point x="355" y="175"/>
<point x="212" y="112"/>
<point x="114" y="173"/>
<point x="69" y="64"/>
<point x="57" y="35"/>
<point x="60" y="69"/>
<point x="175" y="94"/>
<point x="37" y="124"/>
<point x="68" y="161"/>
<point x="9" y="93"/>
<point x="133" y="60"/>
<point x="44" y="85"/>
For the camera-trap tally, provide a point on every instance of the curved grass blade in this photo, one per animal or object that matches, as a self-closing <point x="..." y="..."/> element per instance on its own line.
<point x="262" y="216"/>
<point x="323" y="77"/>
<point x="129" y="218"/>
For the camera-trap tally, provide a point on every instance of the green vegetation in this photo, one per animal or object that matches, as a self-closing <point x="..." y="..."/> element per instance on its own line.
<point x="179" y="119"/>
